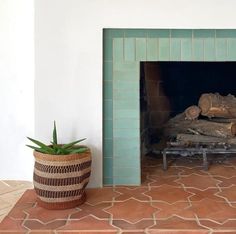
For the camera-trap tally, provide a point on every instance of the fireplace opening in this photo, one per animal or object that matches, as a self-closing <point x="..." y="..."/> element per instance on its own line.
<point x="167" y="89"/>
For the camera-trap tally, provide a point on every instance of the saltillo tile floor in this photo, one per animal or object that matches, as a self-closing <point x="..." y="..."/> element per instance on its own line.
<point x="184" y="199"/>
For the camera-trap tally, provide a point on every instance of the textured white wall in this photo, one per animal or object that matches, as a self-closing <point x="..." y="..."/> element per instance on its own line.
<point x="69" y="56"/>
<point x="16" y="88"/>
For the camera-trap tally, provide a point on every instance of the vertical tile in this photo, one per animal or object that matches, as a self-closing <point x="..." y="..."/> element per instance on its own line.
<point x="186" y="49"/>
<point x="204" y="33"/>
<point x="107" y="181"/>
<point x="107" y="49"/>
<point x="118" y="49"/>
<point x="126" y="75"/>
<point x="126" y="113"/>
<point x="158" y="33"/>
<point x="232" y="49"/>
<point x="164" y="49"/>
<point x="181" y="33"/>
<point x="225" y="33"/>
<point x="107" y="71"/>
<point x="108" y="128"/>
<point x="135" y="33"/>
<point x="127" y="123"/>
<point x="107" y="90"/>
<point x="108" y="148"/>
<point x="111" y="33"/>
<point x="141" y="49"/>
<point x="152" y="49"/>
<point x="125" y="132"/>
<point x="107" y="109"/>
<point x="127" y="180"/>
<point x="198" y="53"/>
<point x="107" y="167"/>
<point x="129" y="49"/>
<point x="209" y="49"/>
<point x="127" y="160"/>
<point x="175" y="49"/>
<point x="221" y="49"/>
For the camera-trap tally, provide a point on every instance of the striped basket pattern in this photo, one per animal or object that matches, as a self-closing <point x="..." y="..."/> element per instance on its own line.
<point x="60" y="180"/>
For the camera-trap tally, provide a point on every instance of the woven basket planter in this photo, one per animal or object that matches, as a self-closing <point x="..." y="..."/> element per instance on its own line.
<point x="60" y="180"/>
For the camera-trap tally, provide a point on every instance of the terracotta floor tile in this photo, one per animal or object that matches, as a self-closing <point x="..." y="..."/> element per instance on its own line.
<point x="29" y="197"/>
<point x="141" y="225"/>
<point x="88" y="223"/>
<point x="229" y="193"/>
<point x="145" y="179"/>
<point x="166" y="210"/>
<point x="158" y="171"/>
<point x="152" y="161"/>
<point x="229" y="225"/>
<point x="85" y="232"/>
<point x="210" y="193"/>
<point x="222" y="171"/>
<point x="192" y="170"/>
<point x="132" y="210"/>
<point x="18" y="212"/>
<point x="11" y="225"/>
<point x="216" y="211"/>
<point x="87" y="209"/>
<point x="98" y="195"/>
<point x="178" y="232"/>
<point x="37" y="225"/>
<point x="129" y="192"/>
<point x="45" y="215"/>
<point x="226" y="182"/>
<point x="168" y="194"/>
<point x="177" y="223"/>
<point x="134" y="231"/>
<point x="189" y="162"/>
<point x="160" y="180"/>
<point x="198" y="182"/>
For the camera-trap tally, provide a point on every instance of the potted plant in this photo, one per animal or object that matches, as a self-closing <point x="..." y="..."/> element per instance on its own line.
<point x="61" y="173"/>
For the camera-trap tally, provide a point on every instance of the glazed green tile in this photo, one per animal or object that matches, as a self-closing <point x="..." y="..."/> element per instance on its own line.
<point x="221" y="49"/>
<point x="118" y="49"/>
<point x="209" y="49"/>
<point x="126" y="113"/>
<point x="107" y="49"/>
<point x="127" y="152"/>
<point x="107" y="167"/>
<point x="120" y="94"/>
<point x="120" y="144"/>
<point x="108" y="109"/>
<point x="141" y="45"/>
<point x="126" y="171"/>
<point x="126" y="75"/>
<point x="232" y="49"/>
<point x="126" y="85"/>
<point x="152" y="49"/>
<point x="181" y="33"/>
<point x="107" y="128"/>
<point x="158" y="33"/>
<point x="204" y="33"/>
<point x="107" y="181"/>
<point x="126" y="104"/>
<point x="126" y="66"/>
<point x="175" y="49"/>
<point x="107" y="71"/>
<point x="164" y="49"/>
<point x="225" y="33"/>
<point x="127" y="160"/>
<point x="135" y="33"/>
<point x="186" y="49"/>
<point x="108" y="147"/>
<point x="111" y="33"/>
<point x="126" y="133"/>
<point x="198" y="50"/>
<point x="127" y="181"/>
<point x="129" y="48"/>
<point x="127" y="123"/>
<point x="107" y="90"/>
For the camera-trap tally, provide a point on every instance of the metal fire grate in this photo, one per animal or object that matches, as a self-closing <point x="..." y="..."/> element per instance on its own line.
<point x="191" y="151"/>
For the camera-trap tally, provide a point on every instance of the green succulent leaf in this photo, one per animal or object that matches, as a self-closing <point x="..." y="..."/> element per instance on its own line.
<point x="42" y="145"/>
<point x="38" y="149"/>
<point x="79" y="150"/>
<point x="55" y="133"/>
<point x="69" y="145"/>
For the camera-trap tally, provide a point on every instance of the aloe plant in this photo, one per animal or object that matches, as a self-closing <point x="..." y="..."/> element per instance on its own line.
<point x="58" y="149"/>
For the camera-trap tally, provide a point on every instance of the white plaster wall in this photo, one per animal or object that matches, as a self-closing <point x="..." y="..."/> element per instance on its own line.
<point x="69" y="56"/>
<point x="16" y="88"/>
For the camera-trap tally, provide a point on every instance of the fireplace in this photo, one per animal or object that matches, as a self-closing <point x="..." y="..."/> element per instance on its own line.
<point x="124" y="52"/>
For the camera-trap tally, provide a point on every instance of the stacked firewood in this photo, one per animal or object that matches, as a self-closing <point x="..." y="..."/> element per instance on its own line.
<point x="212" y="122"/>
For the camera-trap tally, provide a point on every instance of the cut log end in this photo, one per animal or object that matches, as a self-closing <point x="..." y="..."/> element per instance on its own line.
<point x="192" y="112"/>
<point x="205" y="103"/>
<point x="233" y="129"/>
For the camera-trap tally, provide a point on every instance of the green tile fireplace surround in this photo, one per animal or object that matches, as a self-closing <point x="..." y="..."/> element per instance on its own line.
<point x="123" y="50"/>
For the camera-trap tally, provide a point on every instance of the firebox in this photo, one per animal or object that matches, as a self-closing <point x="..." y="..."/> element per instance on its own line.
<point x="182" y="56"/>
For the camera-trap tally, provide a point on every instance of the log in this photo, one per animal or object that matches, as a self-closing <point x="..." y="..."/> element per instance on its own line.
<point x="205" y="140"/>
<point x="215" y="105"/>
<point x="178" y="125"/>
<point x="192" y="112"/>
